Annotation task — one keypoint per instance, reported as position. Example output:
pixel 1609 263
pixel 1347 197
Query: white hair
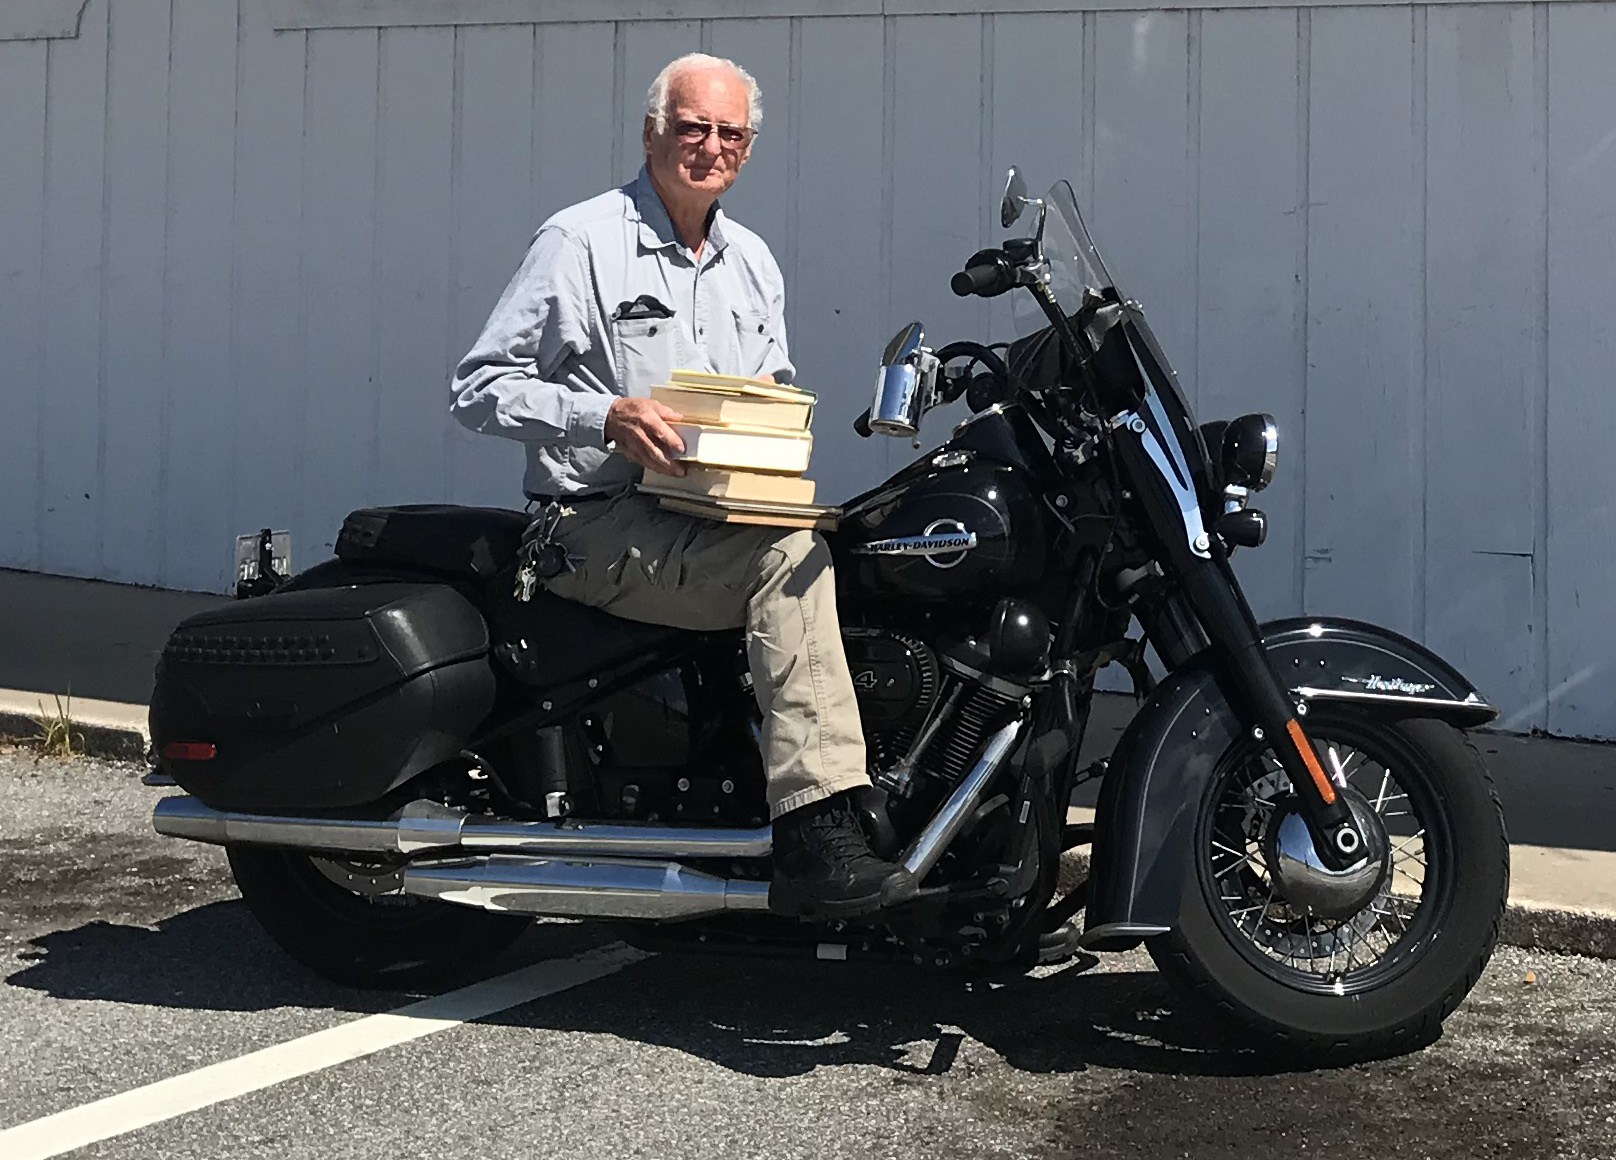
pixel 656 98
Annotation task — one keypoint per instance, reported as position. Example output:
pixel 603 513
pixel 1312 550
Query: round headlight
pixel 1250 451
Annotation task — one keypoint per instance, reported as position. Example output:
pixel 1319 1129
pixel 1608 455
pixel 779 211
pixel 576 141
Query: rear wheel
pixel 1382 976
pixel 351 922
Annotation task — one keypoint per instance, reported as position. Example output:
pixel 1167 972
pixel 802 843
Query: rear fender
pixel 1149 800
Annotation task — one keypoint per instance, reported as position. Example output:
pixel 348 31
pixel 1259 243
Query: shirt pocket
pixel 647 349
pixel 757 346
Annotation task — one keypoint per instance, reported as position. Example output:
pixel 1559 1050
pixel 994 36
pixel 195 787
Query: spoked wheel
pixel 1357 963
pixel 351 922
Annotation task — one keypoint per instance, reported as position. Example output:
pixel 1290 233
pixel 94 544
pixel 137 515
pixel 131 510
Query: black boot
pixel 823 866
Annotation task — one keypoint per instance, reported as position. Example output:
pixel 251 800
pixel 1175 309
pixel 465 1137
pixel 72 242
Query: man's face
pixel 682 159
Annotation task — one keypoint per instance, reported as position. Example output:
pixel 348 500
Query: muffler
pixel 424 827
pixel 599 888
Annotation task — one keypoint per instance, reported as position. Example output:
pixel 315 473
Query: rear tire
pixel 1395 1003
pixel 379 941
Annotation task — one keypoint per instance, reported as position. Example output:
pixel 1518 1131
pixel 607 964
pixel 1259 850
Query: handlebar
pixel 987 274
pixel 861 425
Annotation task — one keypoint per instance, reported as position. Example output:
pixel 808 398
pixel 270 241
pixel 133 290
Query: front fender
pixel 1151 795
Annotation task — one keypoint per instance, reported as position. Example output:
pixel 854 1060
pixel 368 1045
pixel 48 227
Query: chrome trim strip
pixel 1472 702
pixel 928 847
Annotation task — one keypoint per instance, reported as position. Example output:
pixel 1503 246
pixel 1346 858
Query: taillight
pixel 190 750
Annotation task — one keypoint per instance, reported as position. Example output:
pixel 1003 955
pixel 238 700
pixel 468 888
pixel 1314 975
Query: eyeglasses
pixel 730 136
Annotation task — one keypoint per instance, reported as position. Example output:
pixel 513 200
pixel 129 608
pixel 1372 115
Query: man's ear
pixel 645 133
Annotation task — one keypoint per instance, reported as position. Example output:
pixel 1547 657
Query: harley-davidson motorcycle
pixel 406 760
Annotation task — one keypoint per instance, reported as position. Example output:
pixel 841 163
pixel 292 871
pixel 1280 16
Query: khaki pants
pixel 638 561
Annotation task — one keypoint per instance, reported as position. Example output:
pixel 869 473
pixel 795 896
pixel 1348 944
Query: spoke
pixel 1243 911
pixel 1398 849
pixel 1380 798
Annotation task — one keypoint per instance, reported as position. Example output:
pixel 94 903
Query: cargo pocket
pixel 647 349
pixel 756 345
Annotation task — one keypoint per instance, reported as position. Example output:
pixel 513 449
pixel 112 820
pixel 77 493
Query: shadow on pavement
pixel 765 1017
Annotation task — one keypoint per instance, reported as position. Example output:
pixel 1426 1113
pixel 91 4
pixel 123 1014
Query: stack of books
pixel 747 443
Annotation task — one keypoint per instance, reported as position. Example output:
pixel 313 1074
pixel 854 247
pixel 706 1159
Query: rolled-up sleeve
pixel 523 379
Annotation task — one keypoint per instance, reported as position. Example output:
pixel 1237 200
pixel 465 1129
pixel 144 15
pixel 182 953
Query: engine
pixel 909 698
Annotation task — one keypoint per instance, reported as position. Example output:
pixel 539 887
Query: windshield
pixel 1075 265
pixel 1076 269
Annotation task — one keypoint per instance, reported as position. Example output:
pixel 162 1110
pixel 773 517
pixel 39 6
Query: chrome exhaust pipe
pixel 423 827
pixel 600 888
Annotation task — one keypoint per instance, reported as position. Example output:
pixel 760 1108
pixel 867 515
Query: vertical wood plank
pixel 339 192
pixel 198 534
pixel 132 366
pixel 761 195
pixel 1581 352
pixel 1038 91
pixel 840 321
pixel 493 224
pixel 1484 389
pixel 68 449
pixel 1143 219
pixel 1365 409
pixel 413 212
pixel 267 306
pixel 1250 322
pixel 573 115
pixel 645 46
pixel 23 380
pixel 936 188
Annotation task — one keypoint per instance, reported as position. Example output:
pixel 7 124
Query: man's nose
pixel 711 145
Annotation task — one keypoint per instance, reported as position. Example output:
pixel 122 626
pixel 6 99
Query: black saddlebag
pixel 322 698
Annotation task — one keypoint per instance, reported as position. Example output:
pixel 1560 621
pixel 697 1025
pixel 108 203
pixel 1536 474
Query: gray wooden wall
pixel 236 264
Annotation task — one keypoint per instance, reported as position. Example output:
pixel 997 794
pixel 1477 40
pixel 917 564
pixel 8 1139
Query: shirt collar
pixel 656 228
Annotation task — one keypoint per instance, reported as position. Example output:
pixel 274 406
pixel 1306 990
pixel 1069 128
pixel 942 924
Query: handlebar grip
pixel 976 280
pixel 862 424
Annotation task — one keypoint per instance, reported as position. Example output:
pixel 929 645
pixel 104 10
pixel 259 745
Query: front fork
pixel 1212 598
pixel 1212 590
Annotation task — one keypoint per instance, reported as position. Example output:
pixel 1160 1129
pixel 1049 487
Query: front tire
pixel 364 934
pixel 1397 968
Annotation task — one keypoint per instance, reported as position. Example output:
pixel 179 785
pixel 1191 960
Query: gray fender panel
pixel 1145 819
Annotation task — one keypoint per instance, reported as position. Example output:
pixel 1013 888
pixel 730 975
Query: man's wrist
pixel 588 421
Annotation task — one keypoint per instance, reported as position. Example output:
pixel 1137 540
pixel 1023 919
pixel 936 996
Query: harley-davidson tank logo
pixel 943 544
pixel 1376 683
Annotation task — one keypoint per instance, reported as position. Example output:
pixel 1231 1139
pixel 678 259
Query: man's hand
pixel 640 429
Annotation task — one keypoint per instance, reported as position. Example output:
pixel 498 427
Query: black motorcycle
pixel 406 760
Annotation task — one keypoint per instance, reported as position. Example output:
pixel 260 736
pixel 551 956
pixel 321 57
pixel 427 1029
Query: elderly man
pixel 614 293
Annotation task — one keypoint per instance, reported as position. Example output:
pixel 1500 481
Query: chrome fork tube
pixel 923 853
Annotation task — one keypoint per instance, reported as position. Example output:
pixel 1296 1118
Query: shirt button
pixel 701 330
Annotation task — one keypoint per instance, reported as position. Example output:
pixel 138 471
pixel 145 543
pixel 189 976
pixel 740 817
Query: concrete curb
pixel 100 728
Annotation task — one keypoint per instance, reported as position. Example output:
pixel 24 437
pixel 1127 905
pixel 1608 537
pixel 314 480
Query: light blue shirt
pixel 556 350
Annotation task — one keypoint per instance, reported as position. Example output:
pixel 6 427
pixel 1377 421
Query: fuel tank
pixel 958 525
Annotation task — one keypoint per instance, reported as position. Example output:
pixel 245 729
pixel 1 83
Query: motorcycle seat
pixel 550 641
pixel 545 642
pixel 471 543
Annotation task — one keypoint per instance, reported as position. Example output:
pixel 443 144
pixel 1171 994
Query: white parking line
pixel 74 1128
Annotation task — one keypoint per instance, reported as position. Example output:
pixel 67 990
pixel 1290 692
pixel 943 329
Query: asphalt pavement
pixel 125 961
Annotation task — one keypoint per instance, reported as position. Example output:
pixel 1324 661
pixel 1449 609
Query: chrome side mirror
pixel 905 385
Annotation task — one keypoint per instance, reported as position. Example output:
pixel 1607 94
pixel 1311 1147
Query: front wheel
pixel 352 923
pixel 1379 976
